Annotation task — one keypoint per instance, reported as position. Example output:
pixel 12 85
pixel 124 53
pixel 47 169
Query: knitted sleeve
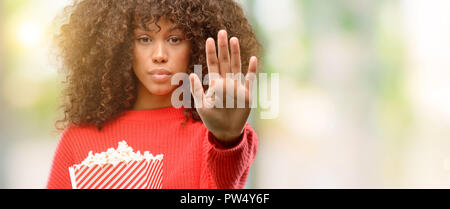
pixel 59 177
pixel 227 168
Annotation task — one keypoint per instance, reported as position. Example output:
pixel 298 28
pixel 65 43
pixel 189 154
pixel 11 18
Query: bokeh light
pixel 29 34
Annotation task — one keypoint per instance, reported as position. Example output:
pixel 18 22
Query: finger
pixel 251 73
pixel 250 80
pixel 224 55
pixel 235 55
pixel 196 90
pixel 211 56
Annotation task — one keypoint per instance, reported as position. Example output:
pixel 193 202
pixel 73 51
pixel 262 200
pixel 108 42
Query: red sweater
pixel 192 157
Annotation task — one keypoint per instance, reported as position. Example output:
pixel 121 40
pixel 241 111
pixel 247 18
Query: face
pixel 158 55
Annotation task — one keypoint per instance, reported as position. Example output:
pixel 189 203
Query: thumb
pixel 196 89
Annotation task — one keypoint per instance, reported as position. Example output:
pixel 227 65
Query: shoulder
pixel 74 133
pixel 73 129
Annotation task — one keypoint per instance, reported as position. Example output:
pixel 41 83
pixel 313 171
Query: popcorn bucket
pixel 145 173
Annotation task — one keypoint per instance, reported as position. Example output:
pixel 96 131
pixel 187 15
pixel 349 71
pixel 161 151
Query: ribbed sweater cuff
pixel 228 166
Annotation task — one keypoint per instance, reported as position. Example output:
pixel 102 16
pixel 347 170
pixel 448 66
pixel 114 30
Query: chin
pixel 161 91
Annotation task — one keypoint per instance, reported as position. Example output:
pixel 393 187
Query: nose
pixel 159 54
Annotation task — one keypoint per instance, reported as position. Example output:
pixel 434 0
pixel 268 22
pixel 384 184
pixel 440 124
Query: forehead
pixel 163 25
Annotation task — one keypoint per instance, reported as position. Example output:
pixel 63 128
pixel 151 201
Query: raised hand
pixel 225 108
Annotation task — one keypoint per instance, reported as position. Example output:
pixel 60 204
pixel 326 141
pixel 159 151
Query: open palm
pixel 226 106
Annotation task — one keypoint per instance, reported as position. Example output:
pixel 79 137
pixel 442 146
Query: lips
pixel 160 72
pixel 160 75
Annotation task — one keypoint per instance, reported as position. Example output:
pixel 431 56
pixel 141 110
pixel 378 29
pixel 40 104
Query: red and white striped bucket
pixel 144 174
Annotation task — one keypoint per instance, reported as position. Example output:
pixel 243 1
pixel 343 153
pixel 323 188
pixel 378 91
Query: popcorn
pixel 120 168
pixel 124 153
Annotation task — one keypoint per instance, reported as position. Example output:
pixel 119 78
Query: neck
pixel 147 101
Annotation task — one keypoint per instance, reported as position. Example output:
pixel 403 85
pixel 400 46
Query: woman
pixel 120 57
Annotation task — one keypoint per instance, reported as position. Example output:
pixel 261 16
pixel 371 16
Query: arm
pixel 226 106
pixel 228 167
pixel 59 174
pixel 230 143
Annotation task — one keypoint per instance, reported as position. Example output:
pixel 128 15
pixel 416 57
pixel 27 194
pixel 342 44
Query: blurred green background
pixel 364 93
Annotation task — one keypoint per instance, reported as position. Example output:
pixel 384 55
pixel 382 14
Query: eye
pixel 174 40
pixel 144 40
